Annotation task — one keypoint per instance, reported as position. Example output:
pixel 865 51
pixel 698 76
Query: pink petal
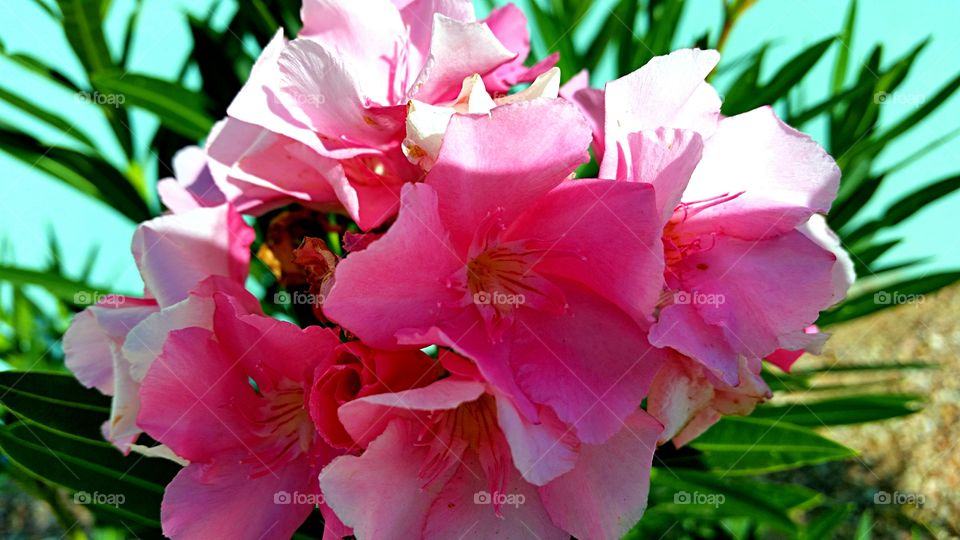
pixel 604 235
pixel 368 44
pixel 605 495
pixel 192 185
pixel 447 65
pixel 784 175
pixel 669 91
pixel 353 486
pixel 270 350
pixel 682 328
pixel 593 378
pixel 503 162
pixel 229 501
pixel 318 83
pixel 367 417
pixel 541 451
pixel 664 158
pixel 97 333
pixel 460 508
pixel 259 170
pixel 194 398
pixel 176 252
pixel 370 300
pixel 680 391
pixel 590 101
pixel 771 290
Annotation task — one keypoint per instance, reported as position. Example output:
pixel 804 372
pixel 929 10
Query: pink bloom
pixel 321 119
pixel 496 256
pixel 253 450
pixel 355 371
pixel 743 278
pixel 182 259
pixel 687 399
pixel 459 458
pixel 192 185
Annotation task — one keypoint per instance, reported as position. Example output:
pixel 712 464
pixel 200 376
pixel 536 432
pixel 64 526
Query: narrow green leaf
pixel 846 207
pixel 68 290
pixel 909 291
pixel 865 526
pixel 58 402
pixel 826 524
pixel 686 493
pixel 842 410
pixel 123 485
pixel 88 174
pixel 51 119
pixel 184 111
pixel 843 53
pixel 39 68
pixel 864 257
pixel 744 446
pixel 786 78
pixel 83 24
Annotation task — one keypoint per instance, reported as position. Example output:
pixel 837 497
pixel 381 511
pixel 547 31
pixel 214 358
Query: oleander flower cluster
pixel 490 346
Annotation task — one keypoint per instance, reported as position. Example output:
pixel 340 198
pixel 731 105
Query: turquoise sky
pixel 33 204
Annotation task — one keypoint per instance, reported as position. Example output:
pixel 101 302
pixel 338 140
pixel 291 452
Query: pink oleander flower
pixel 183 258
pixel 744 275
pixel 321 120
pixel 687 398
pixel 233 402
pixel 547 284
pixel 459 458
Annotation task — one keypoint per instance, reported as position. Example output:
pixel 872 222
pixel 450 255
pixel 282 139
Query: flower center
pixel 500 280
pixel 284 426
pixel 470 427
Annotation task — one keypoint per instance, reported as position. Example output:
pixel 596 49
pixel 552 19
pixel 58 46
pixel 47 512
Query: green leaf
pixel 826 524
pixel 51 119
pixel 904 208
pixel 842 410
pixel 83 24
pixel 90 175
pixel 743 446
pixel 56 401
pixel 786 78
pixel 843 54
pixel 864 526
pixel 874 145
pixel 183 111
pixel 68 290
pixel 130 487
pixel 39 68
pixel 907 291
pixel 685 493
pixel 866 256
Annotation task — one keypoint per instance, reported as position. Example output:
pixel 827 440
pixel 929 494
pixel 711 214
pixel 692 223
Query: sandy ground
pixel 915 460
